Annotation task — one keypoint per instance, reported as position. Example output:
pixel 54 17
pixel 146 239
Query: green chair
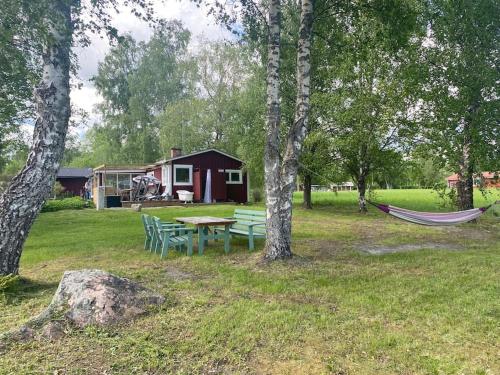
pixel 152 241
pixel 157 236
pixel 149 231
pixel 175 235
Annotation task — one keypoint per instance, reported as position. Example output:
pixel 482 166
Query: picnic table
pixel 203 224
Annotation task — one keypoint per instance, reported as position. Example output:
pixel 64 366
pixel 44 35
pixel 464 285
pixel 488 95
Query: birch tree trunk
pixel 276 245
pixel 24 197
pixel 307 204
pixel 361 184
pixel 465 183
pixel 280 180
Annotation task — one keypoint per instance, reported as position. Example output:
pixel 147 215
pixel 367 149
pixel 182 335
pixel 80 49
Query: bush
pixel 75 203
pixel 58 190
pixel 256 195
pixel 7 281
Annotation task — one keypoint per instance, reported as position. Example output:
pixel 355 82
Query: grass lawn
pixel 332 309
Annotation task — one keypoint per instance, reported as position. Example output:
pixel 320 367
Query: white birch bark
pixel 272 161
pixel 300 126
pixel 280 179
pixel 361 185
pixel 24 197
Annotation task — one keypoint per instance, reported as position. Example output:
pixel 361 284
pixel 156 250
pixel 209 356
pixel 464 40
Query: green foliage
pixel 317 159
pixel 58 189
pixel 256 195
pixel 422 171
pixel 137 81
pixel 73 203
pixel 365 67
pixel 461 87
pixel 447 196
pixel 20 69
pixel 7 282
pixel 208 118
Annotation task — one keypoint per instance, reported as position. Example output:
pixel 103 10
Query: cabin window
pixel 111 180
pixel 233 176
pixel 183 174
pixel 124 181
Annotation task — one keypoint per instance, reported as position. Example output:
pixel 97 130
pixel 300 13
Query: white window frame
pixel 183 166
pixel 240 173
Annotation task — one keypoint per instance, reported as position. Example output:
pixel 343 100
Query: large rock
pixel 86 297
pixel 96 297
pixel 136 207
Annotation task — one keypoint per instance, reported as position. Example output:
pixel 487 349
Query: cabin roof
pixel 120 168
pixel 74 172
pixel 197 153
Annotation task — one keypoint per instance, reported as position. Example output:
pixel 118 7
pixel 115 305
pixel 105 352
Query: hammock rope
pixel 432 218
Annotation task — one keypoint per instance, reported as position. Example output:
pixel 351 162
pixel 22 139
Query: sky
pixel 195 19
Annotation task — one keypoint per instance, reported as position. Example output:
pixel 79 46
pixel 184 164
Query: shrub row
pixel 74 203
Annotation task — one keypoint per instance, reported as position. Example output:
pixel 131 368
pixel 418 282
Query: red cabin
pixel 229 183
pixel 486 179
pixel 73 180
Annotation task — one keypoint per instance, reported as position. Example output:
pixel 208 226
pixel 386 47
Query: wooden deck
pixel 175 202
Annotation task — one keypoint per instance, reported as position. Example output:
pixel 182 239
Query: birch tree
pixel 365 79
pixel 462 91
pixel 264 25
pixel 60 24
pixel 280 174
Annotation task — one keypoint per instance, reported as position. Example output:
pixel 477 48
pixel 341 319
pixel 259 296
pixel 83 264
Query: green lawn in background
pixel 415 199
pixel 332 309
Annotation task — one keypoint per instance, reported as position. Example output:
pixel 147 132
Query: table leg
pixel 206 231
pixel 227 238
pixel 201 240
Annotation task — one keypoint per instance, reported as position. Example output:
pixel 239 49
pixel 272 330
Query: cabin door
pixel 219 188
pixel 198 185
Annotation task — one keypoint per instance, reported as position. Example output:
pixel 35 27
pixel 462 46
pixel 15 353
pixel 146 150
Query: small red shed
pixel 229 182
pixel 73 180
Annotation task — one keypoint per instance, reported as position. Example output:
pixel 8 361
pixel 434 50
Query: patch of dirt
pixel 315 249
pixel 177 274
pixel 477 232
pixel 381 249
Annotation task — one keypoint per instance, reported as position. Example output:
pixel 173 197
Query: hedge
pixel 74 203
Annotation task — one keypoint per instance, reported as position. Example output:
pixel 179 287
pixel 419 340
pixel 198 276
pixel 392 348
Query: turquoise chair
pixel 152 240
pixel 149 231
pixel 172 235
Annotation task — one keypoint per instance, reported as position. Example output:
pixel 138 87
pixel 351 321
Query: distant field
pixel 416 199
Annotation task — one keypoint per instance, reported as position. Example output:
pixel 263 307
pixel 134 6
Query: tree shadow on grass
pixel 23 288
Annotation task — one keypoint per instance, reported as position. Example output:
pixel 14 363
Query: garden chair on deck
pixel 175 235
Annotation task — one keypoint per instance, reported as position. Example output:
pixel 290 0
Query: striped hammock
pixel 432 218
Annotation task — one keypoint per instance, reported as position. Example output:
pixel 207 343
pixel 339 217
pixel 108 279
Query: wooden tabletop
pixel 205 220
